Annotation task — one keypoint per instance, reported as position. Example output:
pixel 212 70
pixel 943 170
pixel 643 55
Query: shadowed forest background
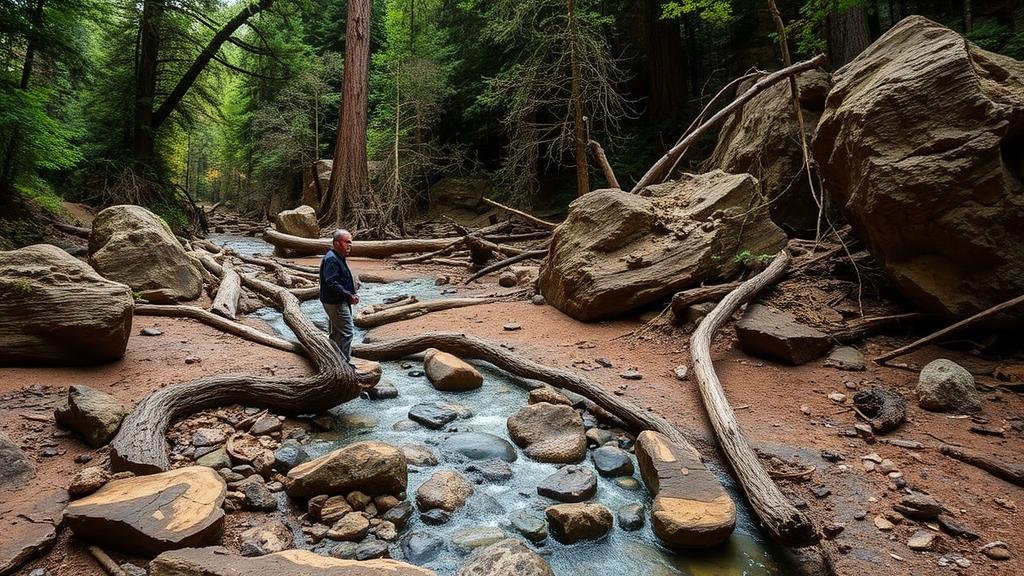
pixel 169 103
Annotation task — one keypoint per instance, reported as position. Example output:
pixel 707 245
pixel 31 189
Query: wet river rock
pixel 449 373
pixel 530 525
pixel 691 509
pixel 150 514
pixel 217 561
pixel 569 484
pixel 549 433
pixel 421 547
pixel 571 523
pixel 433 415
pixel 480 446
pixel 507 557
pixel 447 490
pixel 371 467
pixel 612 461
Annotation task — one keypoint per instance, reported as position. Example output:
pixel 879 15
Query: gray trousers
pixel 342 328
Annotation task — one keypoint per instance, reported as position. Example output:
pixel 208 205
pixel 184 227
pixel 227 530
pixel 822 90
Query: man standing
pixel 338 291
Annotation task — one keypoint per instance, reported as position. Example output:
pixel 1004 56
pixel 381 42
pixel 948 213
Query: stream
pixel 748 552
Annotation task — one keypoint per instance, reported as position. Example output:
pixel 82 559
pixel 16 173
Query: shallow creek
pixel 620 553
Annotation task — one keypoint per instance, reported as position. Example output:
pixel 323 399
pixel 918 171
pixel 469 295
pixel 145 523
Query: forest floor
pixel 768 399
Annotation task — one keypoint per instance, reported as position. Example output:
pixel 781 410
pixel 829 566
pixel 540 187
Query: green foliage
pixel 717 12
pixel 41 193
pixel 996 37
pixel 743 257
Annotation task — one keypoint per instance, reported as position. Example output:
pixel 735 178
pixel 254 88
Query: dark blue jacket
pixel 336 285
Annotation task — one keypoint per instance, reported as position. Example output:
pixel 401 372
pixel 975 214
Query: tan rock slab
pixel 447 372
pixel 446 489
pixel 217 561
pixel 151 514
pixel 371 467
pixel 571 523
pixel 549 433
pixel 691 508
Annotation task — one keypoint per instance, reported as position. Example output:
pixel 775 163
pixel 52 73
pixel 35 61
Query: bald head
pixel 341 241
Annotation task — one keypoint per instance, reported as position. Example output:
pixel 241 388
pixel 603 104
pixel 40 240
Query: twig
pixel 523 215
pixel 950 329
pixel 602 161
pixel 106 562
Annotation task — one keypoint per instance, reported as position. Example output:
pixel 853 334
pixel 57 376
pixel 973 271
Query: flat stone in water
pixel 434 415
pixel 435 517
pixel 530 525
pixel 345 550
pixel 473 538
pixel 571 483
pixel 493 470
pixel 384 390
pixel 627 483
pixel 612 461
pixel 416 373
pixel 480 446
pixel 404 425
pixel 288 456
pixel 421 547
pixel 372 549
pixel 398 514
pixel 631 517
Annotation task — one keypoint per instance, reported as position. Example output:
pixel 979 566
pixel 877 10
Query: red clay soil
pixel 767 398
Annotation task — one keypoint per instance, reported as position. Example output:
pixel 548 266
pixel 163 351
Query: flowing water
pixel 620 553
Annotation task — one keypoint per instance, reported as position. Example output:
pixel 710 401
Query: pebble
pixel 192 360
pixel 538 300
pixel 882 524
pixel 996 550
pixel 630 375
pixel 923 540
pixel 83 458
pixel 435 517
pixel 416 373
pixel 821 491
pixel 681 372
pixel 603 362
pixel 372 549
pixel 837 397
pixel 512 327
pixel 886 466
pixel 148 331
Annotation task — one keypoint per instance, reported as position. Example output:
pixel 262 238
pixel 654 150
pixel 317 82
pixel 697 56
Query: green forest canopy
pixel 103 101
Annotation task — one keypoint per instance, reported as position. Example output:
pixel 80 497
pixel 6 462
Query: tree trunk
pixel 578 119
pixel 11 150
pixel 350 181
pixel 666 64
pixel 848 35
pixel 360 248
pixel 968 17
pixel 143 131
pixel 226 302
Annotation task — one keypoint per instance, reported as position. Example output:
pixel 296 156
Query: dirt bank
pixel 767 397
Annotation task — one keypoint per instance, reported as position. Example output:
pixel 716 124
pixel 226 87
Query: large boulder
pixel 617 251
pixel 508 557
pixel 449 373
pixel 549 433
pixel 370 467
pixel 131 245
pixel 217 561
pixel 921 144
pixel 92 414
pixel 58 310
pixel 691 509
pixel 944 385
pixel 151 514
pixel 763 140
pixel 459 193
pixel 298 222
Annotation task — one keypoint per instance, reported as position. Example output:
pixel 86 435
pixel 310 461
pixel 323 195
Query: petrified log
pixel 780 517
pixel 360 248
pixel 467 347
pixel 226 302
pixel 370 317
pixel 140 445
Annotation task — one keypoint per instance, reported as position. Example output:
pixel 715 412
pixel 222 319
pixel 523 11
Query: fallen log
pixel 360 248
pixel 304 294
pixel 220 323
pixel 1013 473
pixel 470 347
pixel 226 302
pixel 861 328
pixel 602 161
pixel 784 522
pixel 141 446
pixel 505 263
pixel 521 214
pixel 660 168
pixel 686 298
pixel 481 250
pixel 950 329
pixel 372 317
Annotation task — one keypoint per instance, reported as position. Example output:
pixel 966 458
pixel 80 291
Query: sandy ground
pixel 767 398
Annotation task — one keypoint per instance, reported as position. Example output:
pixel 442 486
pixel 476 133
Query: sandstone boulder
pixel 763 140
pixel 151 514
pixel 14 466
pixel 217 561
pixel 920 144
pixel 447 490
pixel 131 245
pixel 691 509
pixel 459 193
pixel 944 385
pixel 446 372
pixel 298 222
pixel 549 433
pixel 370 467
pixel 777 335
pixel 58 310
pixel 508 557
pixel 571 523
pixel 617 251
pixel 92 414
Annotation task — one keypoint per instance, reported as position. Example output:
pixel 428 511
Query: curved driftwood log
pixel 783 521
pixel 140 444
pixel 371 317
pixel 360 248
pixel 466 347
pixel 221 323
pixel 226 302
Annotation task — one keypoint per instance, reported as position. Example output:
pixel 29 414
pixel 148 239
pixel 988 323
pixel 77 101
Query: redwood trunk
pixel 848 35
pixel 144 133
pixel 578 128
